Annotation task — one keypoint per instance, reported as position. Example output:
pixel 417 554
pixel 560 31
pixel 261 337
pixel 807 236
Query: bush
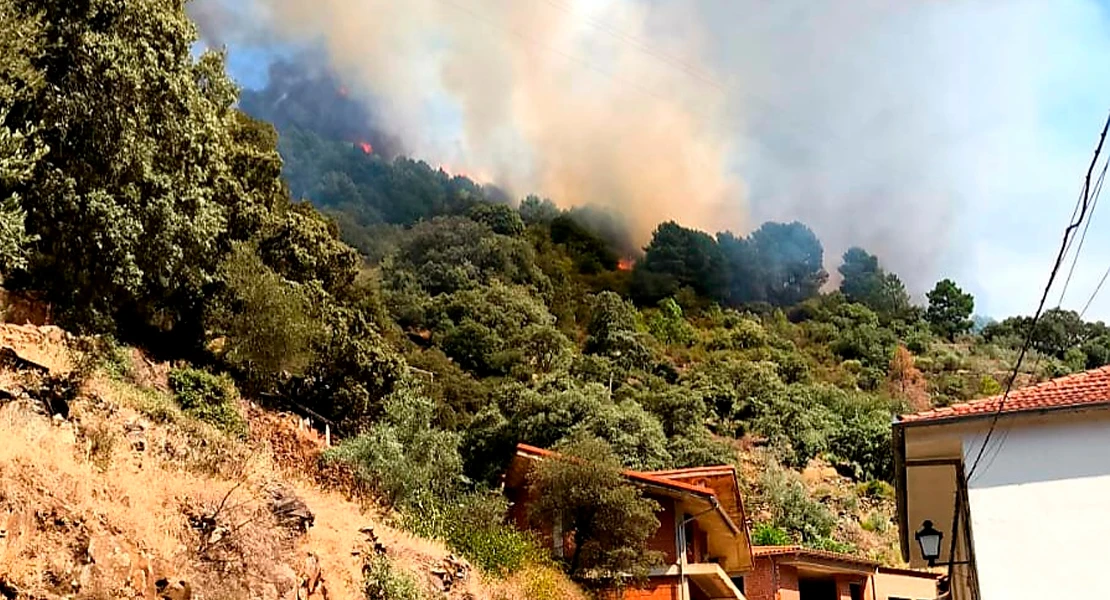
pixel 474 526
pixel 792 508
pixel 765 534
pixel 830 545
pixel 875 489
pixel 266 321
pixel 209 398
pixel 386 582
pixel 403 458
pixel 875 522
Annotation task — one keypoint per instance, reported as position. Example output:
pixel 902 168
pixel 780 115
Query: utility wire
pixel 1069 232
pixel 1083 238
pixel 1096 193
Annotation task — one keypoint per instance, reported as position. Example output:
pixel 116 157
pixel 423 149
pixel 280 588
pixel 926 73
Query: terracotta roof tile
pixel 811 554
pixel 1089 388
pixel 648 478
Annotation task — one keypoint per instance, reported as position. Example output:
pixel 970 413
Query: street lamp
pixel 929 540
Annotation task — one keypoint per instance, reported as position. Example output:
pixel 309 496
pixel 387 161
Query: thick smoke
pixel 897 126
pixel 527 94
pixel 302 92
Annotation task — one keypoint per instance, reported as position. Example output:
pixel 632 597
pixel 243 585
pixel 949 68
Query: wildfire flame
pixel 625 264
pixel 366 147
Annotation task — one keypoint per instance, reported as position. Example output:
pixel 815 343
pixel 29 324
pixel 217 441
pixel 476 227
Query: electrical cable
pixel 1086 226
pixel 1069 233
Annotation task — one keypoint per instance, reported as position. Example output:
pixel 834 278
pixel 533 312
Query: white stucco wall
pixel 1040 509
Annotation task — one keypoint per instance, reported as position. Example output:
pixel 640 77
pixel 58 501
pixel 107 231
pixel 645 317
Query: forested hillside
pixel 435 322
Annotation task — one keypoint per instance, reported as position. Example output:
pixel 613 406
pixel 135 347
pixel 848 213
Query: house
pixel 703 536
pixel 797 573
pixel 1012 498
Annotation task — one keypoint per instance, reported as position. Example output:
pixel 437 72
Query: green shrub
pixel 403 458
pixel 765 534
pixel 110 356
pixel 830 545
pixel 792 508
pixel 989 386
pixel 474 526
pixel 386 582
pixel 209 398
pixel 879 490
pixel 876 522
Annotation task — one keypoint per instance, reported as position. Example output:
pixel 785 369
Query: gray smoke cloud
pixel 532 95
pixel 885 124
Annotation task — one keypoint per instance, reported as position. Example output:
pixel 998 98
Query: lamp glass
pixel 929 540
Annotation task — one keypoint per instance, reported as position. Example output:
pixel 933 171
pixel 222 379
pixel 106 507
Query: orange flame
pixel 625 264
pixel 366 147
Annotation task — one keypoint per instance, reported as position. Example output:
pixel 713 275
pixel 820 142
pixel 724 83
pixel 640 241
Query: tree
pixel 949 309
pixel 790 262
pixel 865 282
pixel 538 211
pixel 128 205
pixel 668 325
pixel 607 518
pixel 858 271
pixel 501 218
pixel 906 381
pixel 402 457
pixel 686 258
pixel 614 331
pixel 267 321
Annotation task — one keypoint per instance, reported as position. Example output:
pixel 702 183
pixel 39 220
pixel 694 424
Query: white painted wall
pixel 1040 509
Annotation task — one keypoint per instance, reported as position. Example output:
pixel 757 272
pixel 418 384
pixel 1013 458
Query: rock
pixel 8 589
pixel 173 590
pixel 109 557
pixel 451 570
pixel 290 510
pixel 311 580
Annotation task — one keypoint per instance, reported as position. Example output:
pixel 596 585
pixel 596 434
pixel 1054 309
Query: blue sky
pixel 948 137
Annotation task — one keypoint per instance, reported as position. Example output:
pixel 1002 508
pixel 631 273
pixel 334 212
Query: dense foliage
pixel 430 321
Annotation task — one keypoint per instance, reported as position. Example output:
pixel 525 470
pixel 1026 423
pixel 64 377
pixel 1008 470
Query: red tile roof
pixel 648 478
pixel 811 554
pixel 1090 388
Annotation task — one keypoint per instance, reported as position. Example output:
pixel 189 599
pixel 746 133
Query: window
pixel 855 590
pixel 739 583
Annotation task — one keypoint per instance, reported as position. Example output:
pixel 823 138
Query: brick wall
pixel 767 578
pixel 788 583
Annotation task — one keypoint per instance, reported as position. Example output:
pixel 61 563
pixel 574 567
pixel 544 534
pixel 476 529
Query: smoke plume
pixel 531 95
pixel 896 126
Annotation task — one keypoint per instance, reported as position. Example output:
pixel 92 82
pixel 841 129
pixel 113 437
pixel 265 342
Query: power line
pixel 1102 281
pixel 1069 232
pixel 1097 193
pixel 1083 238
pixel 1095 293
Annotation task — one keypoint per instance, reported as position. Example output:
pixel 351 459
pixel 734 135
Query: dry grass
pixel 130 491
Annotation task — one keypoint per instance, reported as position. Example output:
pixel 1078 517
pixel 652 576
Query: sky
pixel 950 137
